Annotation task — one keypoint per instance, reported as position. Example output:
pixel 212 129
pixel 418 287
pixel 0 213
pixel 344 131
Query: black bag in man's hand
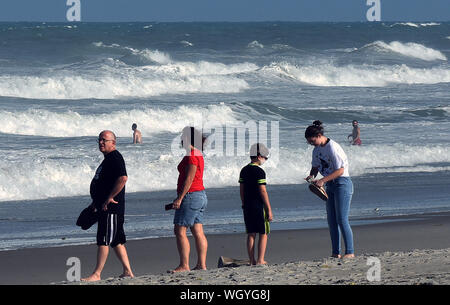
pixel 87 218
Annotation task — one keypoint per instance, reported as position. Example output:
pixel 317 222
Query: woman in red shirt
pixel 191 200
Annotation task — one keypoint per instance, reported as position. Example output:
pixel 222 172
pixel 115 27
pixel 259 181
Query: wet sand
pixel 309 248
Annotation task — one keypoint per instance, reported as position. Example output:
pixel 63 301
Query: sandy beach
pixel 418 252
pixel 418 267
pixel 404 264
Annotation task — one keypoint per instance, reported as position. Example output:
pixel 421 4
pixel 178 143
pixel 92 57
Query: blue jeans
pixel 340 191
pixel 191 209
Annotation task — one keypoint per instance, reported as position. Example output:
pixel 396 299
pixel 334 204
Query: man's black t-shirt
pixel 112 167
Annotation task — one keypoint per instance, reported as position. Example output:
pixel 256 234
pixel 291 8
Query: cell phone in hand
pixel 168 206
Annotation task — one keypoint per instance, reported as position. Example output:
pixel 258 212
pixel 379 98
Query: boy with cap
pixel 255 202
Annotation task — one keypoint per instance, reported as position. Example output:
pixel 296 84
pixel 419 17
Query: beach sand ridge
pixel 418 267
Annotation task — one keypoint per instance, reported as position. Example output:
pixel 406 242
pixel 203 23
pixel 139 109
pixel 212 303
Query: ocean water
pixel 61 84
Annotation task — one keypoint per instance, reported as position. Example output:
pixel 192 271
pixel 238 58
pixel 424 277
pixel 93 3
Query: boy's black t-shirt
pixel 112 167
pixel 252 176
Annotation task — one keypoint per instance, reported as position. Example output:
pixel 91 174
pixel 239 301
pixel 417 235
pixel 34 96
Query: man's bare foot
pixel 179 269
pixel 261 263
pixel 93 278
pixel 349 255
pixel 126 274
pixel 336 256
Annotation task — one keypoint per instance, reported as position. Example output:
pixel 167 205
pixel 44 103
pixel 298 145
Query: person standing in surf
pixel 108 197
pixel 137 135
pixel 355 135
pixel 331 161
pixel 191 201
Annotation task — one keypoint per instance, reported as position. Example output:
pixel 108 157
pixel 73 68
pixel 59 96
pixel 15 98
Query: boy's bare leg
pixel 262 249
pixel 251 247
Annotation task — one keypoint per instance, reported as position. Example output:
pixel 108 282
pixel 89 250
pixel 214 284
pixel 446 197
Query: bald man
pixel 108 197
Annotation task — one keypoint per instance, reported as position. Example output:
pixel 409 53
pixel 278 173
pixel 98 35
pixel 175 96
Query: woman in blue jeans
pixel 331 161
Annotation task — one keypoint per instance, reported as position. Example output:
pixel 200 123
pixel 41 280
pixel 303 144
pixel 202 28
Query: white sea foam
pixel 398 158
pixel 132 82
pixel 115 79
pixel 44 179
pixel 430 24
pixel 416 25
pixel 201 68
pixel 80 87
pixel 410 49
pixel 47 176
pixel 328 74
pixel 187 43
pixel 152 55
pixel 279 46
pixel 72 124
pixel 255 44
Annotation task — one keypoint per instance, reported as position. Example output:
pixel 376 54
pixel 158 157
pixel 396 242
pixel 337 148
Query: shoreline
pixel 318 225
pixel 157 255
pixel 378 199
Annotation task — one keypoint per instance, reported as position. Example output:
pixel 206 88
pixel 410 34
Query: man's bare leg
pixel 102 255
pixel 121 253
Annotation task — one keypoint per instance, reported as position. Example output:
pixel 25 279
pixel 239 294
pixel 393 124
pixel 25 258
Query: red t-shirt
pixel 195 158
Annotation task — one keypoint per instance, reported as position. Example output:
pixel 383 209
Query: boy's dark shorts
pixel 255 220
pixel 110 230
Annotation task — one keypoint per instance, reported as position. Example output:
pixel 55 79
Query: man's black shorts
pixel 110 230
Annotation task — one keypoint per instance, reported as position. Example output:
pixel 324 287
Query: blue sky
pixel 224 10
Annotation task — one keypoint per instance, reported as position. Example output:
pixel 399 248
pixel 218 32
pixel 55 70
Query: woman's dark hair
pixel 195 136
pixel 314 130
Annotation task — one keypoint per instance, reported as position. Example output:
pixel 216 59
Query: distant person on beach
pixel 331 161
pixel 255 202
pixel 137 135
pixel 108 197
pixel 355 135
pixel 191 201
